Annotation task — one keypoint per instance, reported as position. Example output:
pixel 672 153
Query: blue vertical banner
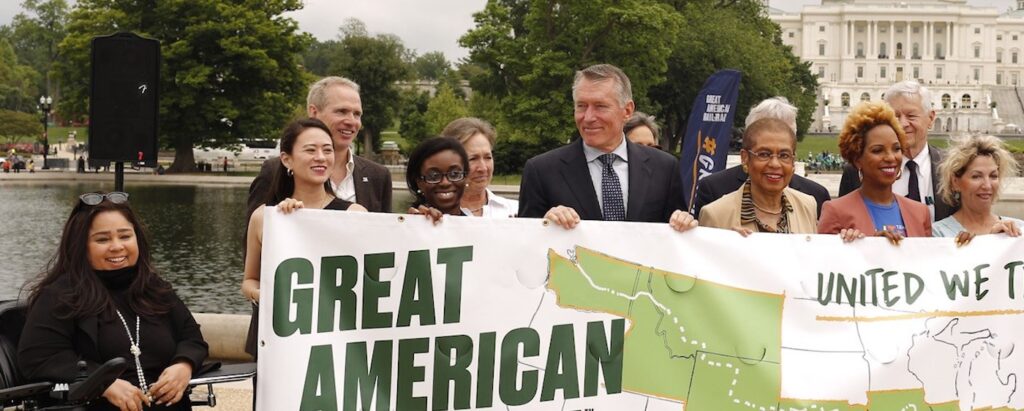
pixel 708 130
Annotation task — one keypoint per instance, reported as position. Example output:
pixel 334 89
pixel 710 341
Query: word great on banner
pixel 408 316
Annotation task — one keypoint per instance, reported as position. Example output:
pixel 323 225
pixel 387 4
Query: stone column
pixel 926 52
pixel 891 49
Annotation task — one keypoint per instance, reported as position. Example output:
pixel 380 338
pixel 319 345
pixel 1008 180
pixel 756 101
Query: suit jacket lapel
pixel 577 176
pixel 363 192
pixel 639 179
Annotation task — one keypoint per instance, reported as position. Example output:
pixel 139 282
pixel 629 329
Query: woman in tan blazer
pixel 872 141
pixel 765 203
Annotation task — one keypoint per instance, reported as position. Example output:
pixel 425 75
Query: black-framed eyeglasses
pixel 765 156
pixel 434 176
pixel 116 197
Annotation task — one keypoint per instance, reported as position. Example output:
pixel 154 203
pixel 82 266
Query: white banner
pixel 388 312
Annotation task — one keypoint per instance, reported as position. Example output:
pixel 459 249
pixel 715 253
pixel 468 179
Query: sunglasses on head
pixel 116 197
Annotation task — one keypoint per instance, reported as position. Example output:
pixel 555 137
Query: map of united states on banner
pixel 389 312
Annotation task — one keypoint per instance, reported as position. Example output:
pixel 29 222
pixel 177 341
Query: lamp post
pixel 45 104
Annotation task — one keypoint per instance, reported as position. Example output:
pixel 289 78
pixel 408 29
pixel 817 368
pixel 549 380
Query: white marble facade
pixel 968 56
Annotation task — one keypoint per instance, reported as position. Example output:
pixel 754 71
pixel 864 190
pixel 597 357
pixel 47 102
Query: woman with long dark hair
pixel 302 181
pixel 101 298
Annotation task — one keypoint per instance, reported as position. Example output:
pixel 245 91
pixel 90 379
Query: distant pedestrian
pixel 7 165
pixel 81 164
pixel 225 164
pixel 31 165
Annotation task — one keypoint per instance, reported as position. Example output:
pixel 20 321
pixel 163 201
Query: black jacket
pixel 562 177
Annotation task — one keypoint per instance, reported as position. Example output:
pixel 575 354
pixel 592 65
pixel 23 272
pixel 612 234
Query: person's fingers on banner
pixel 682 221
pixel 430 213
pixel 963 238
pixel 563 216
pixel 1007 227
pixel 743 231
pixel 288 205
pixel 894 237
pixel 850 234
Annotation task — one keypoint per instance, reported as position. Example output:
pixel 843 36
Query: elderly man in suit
pixel 716 185
pixel 335 101
pixel 602 175
pixel 912 103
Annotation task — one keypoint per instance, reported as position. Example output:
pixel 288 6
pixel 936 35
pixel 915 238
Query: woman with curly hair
pixel 872 141
pixel 969 178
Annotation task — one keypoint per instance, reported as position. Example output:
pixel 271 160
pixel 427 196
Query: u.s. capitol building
pixel 972 58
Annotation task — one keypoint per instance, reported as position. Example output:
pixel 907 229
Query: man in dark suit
pixel 602 175
pixel 919 179
pixel 716 185
pixel 335 101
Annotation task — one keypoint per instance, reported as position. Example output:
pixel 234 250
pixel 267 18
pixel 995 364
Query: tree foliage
pixel 414 126
pixel 443 108
pixel 431 66
pixel 529 50
pixel 737 36
pixel 230 71
pixel 35 34
pixel 15 125
pixel 17 81
pixel 523 54
pixel 376 63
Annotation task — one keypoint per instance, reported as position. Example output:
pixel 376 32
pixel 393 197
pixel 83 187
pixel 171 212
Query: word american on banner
pixel 386 312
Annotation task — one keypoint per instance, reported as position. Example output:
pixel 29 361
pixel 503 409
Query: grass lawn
pixel 60 134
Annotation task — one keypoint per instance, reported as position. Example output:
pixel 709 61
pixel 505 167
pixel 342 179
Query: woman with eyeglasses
pixel 101 298
pixel 765 203
pixel 302 181
pixel 436 175
pixel 872 140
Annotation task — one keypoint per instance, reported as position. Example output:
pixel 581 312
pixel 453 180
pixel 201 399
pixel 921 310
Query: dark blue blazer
pixel 561 177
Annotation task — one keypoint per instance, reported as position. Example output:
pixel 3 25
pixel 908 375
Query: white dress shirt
pixel 621 167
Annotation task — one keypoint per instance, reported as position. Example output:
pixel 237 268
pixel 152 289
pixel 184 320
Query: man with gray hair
pixel 336 102
pixel 602 175
pixel 918 181
pixel 716 185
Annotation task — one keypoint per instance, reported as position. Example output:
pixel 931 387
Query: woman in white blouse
pixel 477 137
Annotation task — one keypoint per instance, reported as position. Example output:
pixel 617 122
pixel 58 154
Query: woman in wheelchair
pixel 102 298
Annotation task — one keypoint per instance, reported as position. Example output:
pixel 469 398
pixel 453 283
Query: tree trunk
pixel 367 143
pixel 184 160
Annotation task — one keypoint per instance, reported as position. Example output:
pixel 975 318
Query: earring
pixel 290 172
pixel 860 175
pixel 956 196
pixel 744 166
pixel 899 174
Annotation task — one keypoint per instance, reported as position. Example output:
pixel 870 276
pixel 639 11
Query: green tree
pixel 431 66
pixel 35 35
pixel 16 126
pixel 17 81
pixel 414 126
pixel 231 69
pixel 733 35
pixel 443 108
pixel 376 63
pixel 529 50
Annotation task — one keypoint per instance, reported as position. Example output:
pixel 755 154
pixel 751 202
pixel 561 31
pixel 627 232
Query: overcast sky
pixel 423 25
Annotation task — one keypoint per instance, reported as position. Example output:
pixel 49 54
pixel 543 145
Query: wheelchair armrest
pixel 225 373
pixel 97 382
pixel 23 392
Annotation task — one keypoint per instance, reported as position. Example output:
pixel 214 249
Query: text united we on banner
pixel 705 145
pixel 385 312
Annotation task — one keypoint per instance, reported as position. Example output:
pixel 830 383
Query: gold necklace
pixel 769 212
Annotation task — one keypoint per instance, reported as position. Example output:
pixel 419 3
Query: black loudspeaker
pixel 124 99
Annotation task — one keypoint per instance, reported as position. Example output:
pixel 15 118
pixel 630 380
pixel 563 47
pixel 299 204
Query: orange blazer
pixel 849 211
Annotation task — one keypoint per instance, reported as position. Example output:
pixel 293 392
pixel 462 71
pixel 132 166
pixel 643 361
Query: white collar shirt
pixel 924 179
pixel 346 189
pixel 621 167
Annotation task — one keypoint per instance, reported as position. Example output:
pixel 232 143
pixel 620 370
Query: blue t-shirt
pixel 886 217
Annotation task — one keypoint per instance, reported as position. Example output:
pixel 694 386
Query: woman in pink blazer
pixel 872 140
